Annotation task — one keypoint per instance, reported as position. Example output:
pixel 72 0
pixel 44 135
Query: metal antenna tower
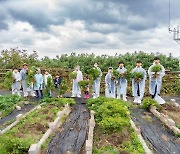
pixel 175 30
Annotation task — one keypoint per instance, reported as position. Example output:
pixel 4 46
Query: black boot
pixel 37 94
pixel 41 92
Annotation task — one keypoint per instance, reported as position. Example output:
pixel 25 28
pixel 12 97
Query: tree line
pixel 15 57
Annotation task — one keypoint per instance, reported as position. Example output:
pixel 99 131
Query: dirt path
pixel 73 135
pixel 158 136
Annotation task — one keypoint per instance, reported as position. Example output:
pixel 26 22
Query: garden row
pixel 34 127
pixel 113 130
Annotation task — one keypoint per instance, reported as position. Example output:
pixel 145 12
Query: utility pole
pixel 175 31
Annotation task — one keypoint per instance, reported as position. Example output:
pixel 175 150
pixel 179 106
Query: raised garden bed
pixel 30 129
pixel 8 104
pixel 72 135
pixel 172 111
pixel 113 131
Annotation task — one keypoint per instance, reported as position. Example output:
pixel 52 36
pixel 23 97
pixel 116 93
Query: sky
pixel 54 27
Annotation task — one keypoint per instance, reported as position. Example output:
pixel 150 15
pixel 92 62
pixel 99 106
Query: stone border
pixel 89 141
pixel 138 132
pixel 53 126
pixel 165 119
pixel 173 101
pixel 18 118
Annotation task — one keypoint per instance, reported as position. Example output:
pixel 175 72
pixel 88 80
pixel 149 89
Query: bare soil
pixel 172 111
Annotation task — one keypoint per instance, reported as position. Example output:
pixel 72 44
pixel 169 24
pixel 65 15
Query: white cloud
pixel 58 26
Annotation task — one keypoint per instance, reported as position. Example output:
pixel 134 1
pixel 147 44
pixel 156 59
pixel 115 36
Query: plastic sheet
pixel 74 131
pixel 156 134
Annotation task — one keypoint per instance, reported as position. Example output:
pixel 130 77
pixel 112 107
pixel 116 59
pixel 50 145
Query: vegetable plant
pixel 137 75
pixel 73 75
pixel 49 86
pixel 30 76
pixel 83 84
pixel 93 73
pixel 148 102
pixel 156 68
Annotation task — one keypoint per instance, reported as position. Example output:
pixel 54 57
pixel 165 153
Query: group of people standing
pixel 35 89
pixel 117 87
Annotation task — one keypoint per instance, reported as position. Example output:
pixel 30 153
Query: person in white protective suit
pixel 26 88
pixel 76 90
pixel 122 82
pixel 155 81
pixel 16 85
pixel 96 82
pixel 46 76
pixel 138 85
pixel 38 85
pixel 110 83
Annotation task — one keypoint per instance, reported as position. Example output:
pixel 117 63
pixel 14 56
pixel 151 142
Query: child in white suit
pixel 76 91
pixel 16 85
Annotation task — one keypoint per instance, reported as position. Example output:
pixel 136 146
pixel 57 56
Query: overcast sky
pixel 53 27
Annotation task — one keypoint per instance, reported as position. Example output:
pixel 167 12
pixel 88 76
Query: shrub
pixel 148 102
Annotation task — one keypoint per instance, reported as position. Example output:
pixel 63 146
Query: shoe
pixel 135 100
pixel 139 101
pixel 87 96
pixel 124 98
pixel 72 96
pixel 79 96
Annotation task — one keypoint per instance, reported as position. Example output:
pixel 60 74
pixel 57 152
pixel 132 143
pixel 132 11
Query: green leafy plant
pixel 30 76
pixel 116 74
pixel 113 124
pixel 148 102
pixel 73 75
pixel 113 120
pixel 30 129
pixel 156 68
pixel 83 84
pixel 93 73
pixel 63 87
pixel 58 101
pixel 49 86
pixel 8 79
pixel 8 103
pixel 137 75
